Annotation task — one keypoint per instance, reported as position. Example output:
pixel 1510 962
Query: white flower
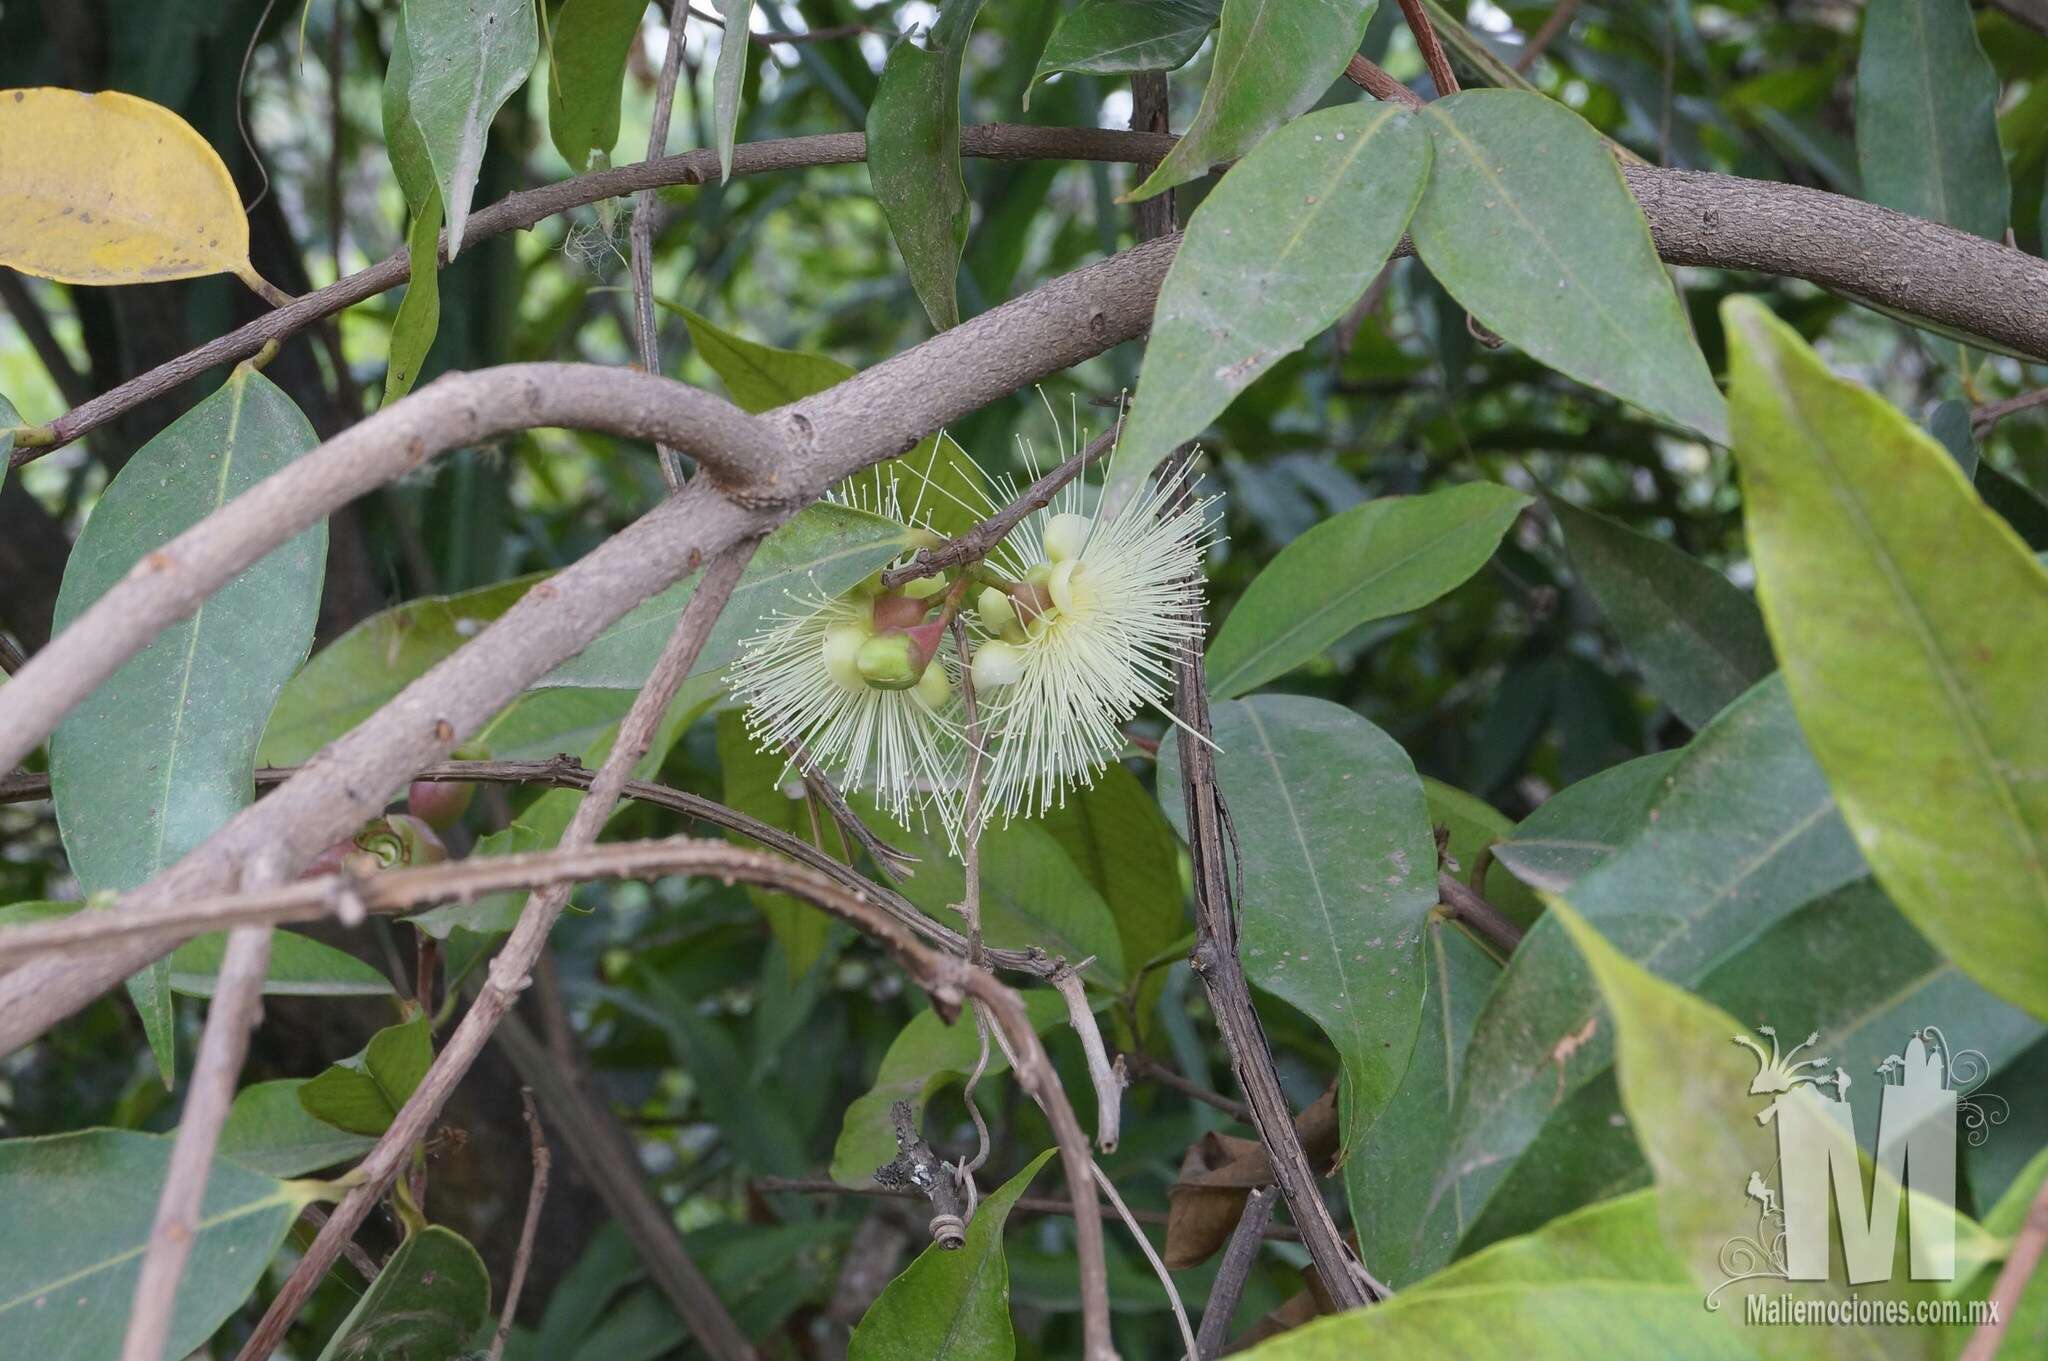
pixel 1085 630
pixel 861 684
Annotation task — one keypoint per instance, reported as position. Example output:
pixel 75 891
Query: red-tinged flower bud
pixel 898 612
pixel 440 803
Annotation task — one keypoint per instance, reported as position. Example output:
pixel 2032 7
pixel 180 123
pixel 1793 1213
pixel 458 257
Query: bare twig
pixel 535 1197
pixel 1215 959
pixel 1925 270
pixel 892 861
pixel 1038 1205
pixel 594 1137
pixel 1108 1079
pixel 918 1167
pixel 1180 1312
pixel 237 1006
pixel 2020 1265
pixel 365 1265
pixel 509 970
pixel 978 542
pixel 645 332
pixel 1376 82
pixel 1149 1069
pixel 1991 413
pixel 1238 1255
pixel 1152 217
pixel 1478 915
pixel 1432 50
pixel 1559 20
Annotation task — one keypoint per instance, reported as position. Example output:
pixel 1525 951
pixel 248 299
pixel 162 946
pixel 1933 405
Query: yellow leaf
pixel 110 189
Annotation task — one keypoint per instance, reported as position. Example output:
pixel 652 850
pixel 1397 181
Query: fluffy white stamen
pixel 801 683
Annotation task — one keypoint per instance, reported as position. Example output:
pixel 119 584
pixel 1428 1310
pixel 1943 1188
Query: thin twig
pixel 978 542
pixel 508 972
pixel 1432 50
pixel 535 1197
pixel 645 333
pixel 593 1135
pixel 1479 916
pixel 1107 1079
pixel 2020 1265
pixel 1180 1312
pixel 1560 19
pixel 1376 82
pixel 237 1006
pixel 351 1251
pixel 1238 1255
pixel 970 814
pixel 893 862
pixel 1149 1069
pixel 1990 414
pixel 1152 217
pixel 1037 1205
pixel 1345 1279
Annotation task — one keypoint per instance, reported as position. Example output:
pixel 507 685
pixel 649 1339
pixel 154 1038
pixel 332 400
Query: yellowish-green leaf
pixel 110 189
pixel 1913 628
pixel 419 311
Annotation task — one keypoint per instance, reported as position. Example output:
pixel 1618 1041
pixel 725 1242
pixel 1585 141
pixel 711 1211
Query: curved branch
pixel 1904 264
pixel 529 207
pixel 454 411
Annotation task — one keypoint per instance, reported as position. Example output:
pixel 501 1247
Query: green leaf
pixel 467 57
pixel 914 157
pixel 950 1306
pixel 1530 226
pixel 419 311
pixel 926 1055
pixel 1949 423
pixel 299 967
pixel 1274 58
pixel 1927 116
pixel 1114 833
pixel 826 550
pixel 164 753
pixel 269 1130
pixel 587 50
pixel 361 671
pixel 362 1093
pixel 1339 877
pixel 730 75
pixel 1900 605
pixel 1118 37
pixel 1381 558
pixel 1547 1321
pixel 1582 824
pixel 2016 503
pixel 1031 893
pixel 80 1206
pixel 404 143
pixel 1686 1089
pixel 430 1300
pixel 1282 248
pixel 1742 832
pixel 1698 637
pixel 751 787
pixel 1387 1194
pixel 760 377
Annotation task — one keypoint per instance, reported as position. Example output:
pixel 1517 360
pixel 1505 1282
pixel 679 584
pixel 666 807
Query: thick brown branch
pixel 461 409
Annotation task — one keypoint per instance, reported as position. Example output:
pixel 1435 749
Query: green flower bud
pixel 1066 587
pixel 888 661
pixel 841 649
pixel 934 688
pixel 998 615
pixel 924 588
pixel 997 664
pixel 1066 535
